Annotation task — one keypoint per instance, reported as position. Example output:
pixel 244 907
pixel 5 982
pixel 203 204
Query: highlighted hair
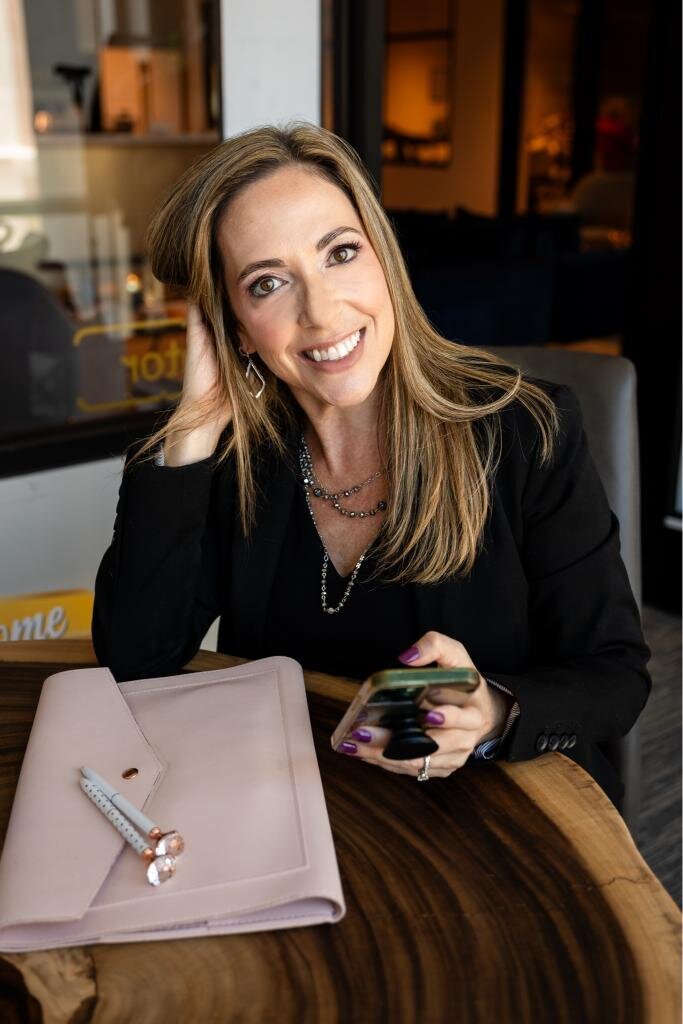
pixel 439 429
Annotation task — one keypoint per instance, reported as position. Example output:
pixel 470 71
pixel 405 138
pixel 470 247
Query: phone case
pixel 465 680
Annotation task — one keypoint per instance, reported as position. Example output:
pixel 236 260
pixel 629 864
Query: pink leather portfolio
pixel 225 757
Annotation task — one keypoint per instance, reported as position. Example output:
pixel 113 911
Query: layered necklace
pixel 313 486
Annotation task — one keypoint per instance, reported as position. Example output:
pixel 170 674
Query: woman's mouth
pixel 337 353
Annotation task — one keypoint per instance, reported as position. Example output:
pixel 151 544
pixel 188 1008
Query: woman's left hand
pixel 457 728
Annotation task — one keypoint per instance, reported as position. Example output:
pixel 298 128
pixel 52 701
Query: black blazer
pixel 547 610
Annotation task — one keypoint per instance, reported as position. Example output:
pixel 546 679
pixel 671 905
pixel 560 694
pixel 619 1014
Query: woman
pixel 342 485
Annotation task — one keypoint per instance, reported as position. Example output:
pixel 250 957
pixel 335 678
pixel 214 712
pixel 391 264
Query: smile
pixel 333 353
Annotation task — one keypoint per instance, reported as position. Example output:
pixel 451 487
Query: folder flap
pixel 59 848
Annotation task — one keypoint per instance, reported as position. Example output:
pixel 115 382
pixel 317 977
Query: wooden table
pixel 507 892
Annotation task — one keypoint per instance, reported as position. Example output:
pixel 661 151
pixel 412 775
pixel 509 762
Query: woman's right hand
pixel 200 381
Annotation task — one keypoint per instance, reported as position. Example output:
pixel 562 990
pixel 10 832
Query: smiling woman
pixel 325 295
pixel 339 483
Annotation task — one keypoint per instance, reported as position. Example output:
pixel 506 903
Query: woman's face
pixel 307 288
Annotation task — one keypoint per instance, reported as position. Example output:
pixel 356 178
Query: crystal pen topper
pixel 165 842
pixel 159 869
pixel 160 858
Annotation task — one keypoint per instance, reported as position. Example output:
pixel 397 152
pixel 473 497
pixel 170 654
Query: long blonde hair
pixel 439 429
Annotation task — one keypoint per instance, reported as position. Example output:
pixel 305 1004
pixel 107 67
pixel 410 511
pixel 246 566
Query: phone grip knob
pixel 408 738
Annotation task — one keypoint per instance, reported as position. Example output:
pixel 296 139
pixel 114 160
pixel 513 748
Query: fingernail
pixel 410 655
pixel 347 748
pixel 364 735
pixel 435 718
pixel 361 716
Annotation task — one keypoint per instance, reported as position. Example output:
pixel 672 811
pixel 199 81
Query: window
pixel 105 104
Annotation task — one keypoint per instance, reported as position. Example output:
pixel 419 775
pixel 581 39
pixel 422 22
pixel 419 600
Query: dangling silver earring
pixel 252 369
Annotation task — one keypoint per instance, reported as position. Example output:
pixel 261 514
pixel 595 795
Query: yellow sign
pixel 146 359
pixel 52 616
pixel 128 328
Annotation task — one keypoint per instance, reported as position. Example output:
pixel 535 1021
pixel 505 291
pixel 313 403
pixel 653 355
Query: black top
pixel 377 622
pixel 547 610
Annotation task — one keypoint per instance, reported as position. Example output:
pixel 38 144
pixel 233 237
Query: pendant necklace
pixel 310 482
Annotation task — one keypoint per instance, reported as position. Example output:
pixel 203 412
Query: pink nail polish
pixel 410 655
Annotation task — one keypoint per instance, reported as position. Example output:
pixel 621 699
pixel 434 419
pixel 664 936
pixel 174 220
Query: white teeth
pixel 335 352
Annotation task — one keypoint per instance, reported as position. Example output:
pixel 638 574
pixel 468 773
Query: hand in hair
pixel 200 418
pixel 457 728
pixel 201 369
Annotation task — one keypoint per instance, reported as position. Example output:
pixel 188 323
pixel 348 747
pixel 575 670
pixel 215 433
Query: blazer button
pixel 553 742
pixel 541 743
pixel 571 742
pixel 564 741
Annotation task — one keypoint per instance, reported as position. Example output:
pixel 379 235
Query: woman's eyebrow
pixel 274 262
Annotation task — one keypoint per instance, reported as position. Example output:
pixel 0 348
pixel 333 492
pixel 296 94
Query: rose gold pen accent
pixel 166 843
pixel 160 867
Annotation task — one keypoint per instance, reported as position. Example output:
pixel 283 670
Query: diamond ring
pixel 423 774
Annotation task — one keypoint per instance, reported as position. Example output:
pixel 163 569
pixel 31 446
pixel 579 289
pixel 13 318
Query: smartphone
pixel 392 699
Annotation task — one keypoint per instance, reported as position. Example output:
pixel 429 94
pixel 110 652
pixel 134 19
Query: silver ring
pixel 423 774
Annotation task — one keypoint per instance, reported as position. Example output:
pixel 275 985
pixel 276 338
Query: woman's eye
pixel 267 284
pixel 350 248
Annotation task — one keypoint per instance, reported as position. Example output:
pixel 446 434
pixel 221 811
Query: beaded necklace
pixel 312 484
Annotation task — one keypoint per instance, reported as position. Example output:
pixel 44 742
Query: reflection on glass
pixel 107 104
pixel 603 195
pixel 548 124
pixel 417 90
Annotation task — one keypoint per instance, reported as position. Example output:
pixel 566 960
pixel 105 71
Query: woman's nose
pixel 320 304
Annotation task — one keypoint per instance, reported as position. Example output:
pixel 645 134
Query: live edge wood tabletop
pixel 508 892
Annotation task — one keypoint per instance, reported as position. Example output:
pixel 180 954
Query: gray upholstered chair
pixel 606 389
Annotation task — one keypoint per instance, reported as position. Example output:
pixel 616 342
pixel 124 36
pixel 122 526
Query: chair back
pixel 606 389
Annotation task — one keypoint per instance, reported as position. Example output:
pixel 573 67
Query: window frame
pixel 76 444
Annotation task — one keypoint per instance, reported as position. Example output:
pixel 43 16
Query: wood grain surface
pixel 507 892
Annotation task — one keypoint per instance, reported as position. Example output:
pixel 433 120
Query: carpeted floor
pixel 659 827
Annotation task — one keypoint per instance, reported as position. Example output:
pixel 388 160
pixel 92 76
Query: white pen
pixel 159 869
pixel 164 842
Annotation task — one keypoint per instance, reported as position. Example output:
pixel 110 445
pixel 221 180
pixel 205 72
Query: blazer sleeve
pixel 158 588
pixel 588 678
